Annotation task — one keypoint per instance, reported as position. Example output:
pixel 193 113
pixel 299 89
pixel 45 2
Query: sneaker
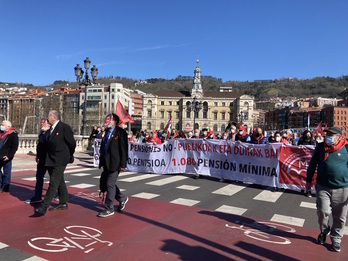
pixel 322 236
pixel 56 198
pixel 122 204
pixel 106 213
pixel 335 247
pixel 33 200
pixel 308 194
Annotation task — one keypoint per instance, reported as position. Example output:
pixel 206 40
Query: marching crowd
pixel 233 132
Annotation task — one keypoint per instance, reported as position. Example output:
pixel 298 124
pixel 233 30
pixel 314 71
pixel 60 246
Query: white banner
pixel 258 164
pixel 96 154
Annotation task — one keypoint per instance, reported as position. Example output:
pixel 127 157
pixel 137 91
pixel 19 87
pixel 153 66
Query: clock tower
pixel 197 90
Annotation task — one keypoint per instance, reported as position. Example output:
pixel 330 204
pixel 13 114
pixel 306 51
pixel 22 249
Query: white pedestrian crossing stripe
pixel 137 178
pixel 231 210
pixel 166 181
pixel 82 185
pixel 228 190
pixel 145 195
pixel 288 220
pixel 187 187
pixel 81 174
pixel 2 245
pixel 185 202
pixel 268 196
pixel 308 205
pixel 30 179
pixel 77 170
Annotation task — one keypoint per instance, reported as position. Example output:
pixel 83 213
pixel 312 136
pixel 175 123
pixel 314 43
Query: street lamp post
pixel 195 106
pixel 86 82
pixel 243 115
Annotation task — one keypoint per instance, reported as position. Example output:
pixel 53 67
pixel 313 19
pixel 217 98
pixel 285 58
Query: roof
pixel 227 95
pixel 172 93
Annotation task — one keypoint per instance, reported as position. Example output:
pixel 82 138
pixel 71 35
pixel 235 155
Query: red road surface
pixel 150 230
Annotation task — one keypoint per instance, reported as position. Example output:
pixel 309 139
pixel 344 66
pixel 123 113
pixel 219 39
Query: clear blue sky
pixel 42 41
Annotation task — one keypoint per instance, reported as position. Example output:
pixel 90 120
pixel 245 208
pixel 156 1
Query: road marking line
pixel 137 178
pixel 187 187
pixel 166 181
pixel 268 196
pixel 81 174
pixel 82 185
pixel 2 245
pixel 288 220
pixel 185 202
pixel 308 205
pixel 228 190
pixel 231 210
pixel 145 195
pixel 78 170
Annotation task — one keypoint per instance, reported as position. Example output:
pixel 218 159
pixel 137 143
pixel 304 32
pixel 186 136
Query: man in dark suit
pixel 113 159
pixel 60 150
pixel 41 151
pixel 8 148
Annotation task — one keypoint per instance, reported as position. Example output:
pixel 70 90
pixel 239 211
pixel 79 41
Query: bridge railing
pixel 28 142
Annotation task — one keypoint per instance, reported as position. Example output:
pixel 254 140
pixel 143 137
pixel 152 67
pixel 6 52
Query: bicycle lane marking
pixel 65 243
pixel 264 231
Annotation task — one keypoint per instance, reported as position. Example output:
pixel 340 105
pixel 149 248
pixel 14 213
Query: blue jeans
pixel 5 177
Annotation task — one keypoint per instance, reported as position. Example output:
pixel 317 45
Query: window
pixel 112 96
pixel 105 97
pixel 223 104
pixel 177 126
pixel 162 114
pixel 148 126
pixel 170 103
pixel 105 105
pixel 223 115
pixel 188 114
pixel 178 103
pixel 177 115
pixel 223 128
pixel 215 104
pixel 169 114
pixel 215 127
pixel 149 113
pixel 205 115
pixel 162 126
pixel 215 115
pixel 162 102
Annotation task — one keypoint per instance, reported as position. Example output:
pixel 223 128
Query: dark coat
pixel 117 151
pixel 41 147
pixel 60 146
pixel 10 146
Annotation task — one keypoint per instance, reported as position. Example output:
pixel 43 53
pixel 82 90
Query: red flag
pixel 123 114
pixel 168 127
pixel 319 129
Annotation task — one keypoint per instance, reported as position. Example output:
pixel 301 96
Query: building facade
pixel 215 109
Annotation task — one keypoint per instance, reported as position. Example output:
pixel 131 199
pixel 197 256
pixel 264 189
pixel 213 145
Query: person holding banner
pixel 330 158
pixel 113 160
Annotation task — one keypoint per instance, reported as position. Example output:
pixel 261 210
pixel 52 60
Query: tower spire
pixel 197 86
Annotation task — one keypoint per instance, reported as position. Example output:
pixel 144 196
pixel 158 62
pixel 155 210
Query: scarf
pixel 9 131
pixel 258 138
pixel 342 142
